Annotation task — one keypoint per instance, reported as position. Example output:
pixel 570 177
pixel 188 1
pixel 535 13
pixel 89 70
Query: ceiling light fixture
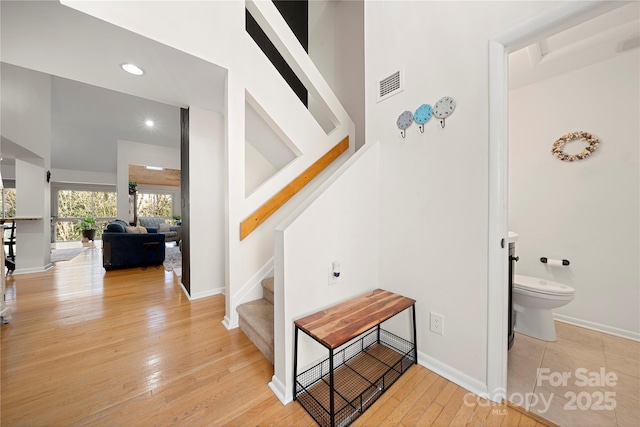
pixel 132 69
pixel 149 123
pixel 154 168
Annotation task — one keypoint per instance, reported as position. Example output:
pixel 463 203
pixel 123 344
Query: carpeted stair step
pixel 267 289
pixel 256 321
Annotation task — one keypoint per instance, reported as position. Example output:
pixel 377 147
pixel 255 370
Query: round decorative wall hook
pixel 443 108
pixel 422 115
pixel 404 121
pixel 557 148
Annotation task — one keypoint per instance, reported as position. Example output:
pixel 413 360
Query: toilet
pixel 533 300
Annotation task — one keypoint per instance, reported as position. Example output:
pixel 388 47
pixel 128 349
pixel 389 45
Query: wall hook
pixel 422 115
pixel 404 121
pixel 444 107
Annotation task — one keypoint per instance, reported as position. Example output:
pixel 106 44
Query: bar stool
pixel 10 241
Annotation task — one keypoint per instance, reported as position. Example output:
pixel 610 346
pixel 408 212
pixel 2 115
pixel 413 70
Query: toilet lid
pixel 536 284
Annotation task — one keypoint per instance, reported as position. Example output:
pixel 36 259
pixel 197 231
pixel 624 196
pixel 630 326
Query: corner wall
pixel 206 201
pixel 26 100
pixel 339 222
pixel 434 185
pixel 585 211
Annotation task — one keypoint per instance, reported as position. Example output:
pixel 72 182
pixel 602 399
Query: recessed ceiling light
pixel 132 69
pixel 149 123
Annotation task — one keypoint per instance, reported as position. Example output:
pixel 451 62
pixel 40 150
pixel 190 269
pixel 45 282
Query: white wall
pixel 26 109
pixel 434 185
pixel 257 168
pixel 32 236
pixel 585 211
pixel 338 223
pixel 206 201
pixel 26 132
pixel 336 46
pixel 82 177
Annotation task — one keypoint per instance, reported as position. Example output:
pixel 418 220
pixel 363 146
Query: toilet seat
pixel 541 286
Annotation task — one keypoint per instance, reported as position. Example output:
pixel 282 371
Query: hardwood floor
pixel 126 347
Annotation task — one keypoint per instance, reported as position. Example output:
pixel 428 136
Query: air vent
pixel 390 85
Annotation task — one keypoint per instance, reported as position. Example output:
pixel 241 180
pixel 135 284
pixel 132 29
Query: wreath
pixel 556 150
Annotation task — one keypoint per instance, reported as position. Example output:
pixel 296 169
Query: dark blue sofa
pixel 123 250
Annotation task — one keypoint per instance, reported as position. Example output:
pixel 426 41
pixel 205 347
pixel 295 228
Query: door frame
pixel 557 19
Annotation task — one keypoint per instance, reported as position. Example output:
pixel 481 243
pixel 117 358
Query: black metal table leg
pixel 415 342
pixel 331 389
pixel 295 363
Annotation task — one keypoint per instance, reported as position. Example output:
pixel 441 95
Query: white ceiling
pixel 86 119
pixel 599 39
pixel 87 53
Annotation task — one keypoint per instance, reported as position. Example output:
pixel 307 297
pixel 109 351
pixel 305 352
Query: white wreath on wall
pixel 557 147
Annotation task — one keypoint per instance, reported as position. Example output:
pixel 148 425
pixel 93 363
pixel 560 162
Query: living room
pixel 100 121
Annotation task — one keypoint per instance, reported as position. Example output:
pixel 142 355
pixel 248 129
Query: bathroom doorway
pixel 558 19
pixel 577 347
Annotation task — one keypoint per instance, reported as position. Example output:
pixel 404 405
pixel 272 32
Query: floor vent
pixel 390 85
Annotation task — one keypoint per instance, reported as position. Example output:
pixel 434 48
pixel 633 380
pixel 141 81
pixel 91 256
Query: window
pixel 72 205
pixel 8 206
pixel 155 204
pixel 8 202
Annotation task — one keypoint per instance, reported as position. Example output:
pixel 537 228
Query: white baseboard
pixel 463 380
pixel 623 333
pixel 42 269
pixel 278 389
pixel 207 293
pixel 229 324
pixel 185 290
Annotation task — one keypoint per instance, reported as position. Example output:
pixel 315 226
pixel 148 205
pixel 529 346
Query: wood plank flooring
pixel 127 348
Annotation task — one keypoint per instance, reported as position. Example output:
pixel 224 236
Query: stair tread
pixel 258 314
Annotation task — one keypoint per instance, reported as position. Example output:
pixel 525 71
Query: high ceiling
pixel 85 54
pixel 94 102
pixel 616 32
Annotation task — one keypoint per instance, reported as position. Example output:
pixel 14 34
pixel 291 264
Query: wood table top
pixel 336 325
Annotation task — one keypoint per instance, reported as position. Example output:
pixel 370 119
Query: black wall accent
pixel 184 190
pixel 296 14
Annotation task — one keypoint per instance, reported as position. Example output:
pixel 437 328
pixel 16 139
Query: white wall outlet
pixel 437 323
pixel 333 280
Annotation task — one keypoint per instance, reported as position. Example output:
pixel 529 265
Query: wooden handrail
pixel 273 204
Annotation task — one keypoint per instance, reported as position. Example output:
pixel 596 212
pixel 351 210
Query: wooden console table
pixel 364 360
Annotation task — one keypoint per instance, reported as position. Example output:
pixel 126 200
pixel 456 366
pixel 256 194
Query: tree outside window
pixel 154 204
pixel 74 205
pixel 8 202
pixel 8 206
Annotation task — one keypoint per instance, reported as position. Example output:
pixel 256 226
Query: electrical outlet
pixel 437 323
pixel 333 280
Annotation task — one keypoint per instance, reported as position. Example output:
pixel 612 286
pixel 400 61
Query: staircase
pixel 256 320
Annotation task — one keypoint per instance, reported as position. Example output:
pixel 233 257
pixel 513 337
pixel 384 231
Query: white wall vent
pixel 390 85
